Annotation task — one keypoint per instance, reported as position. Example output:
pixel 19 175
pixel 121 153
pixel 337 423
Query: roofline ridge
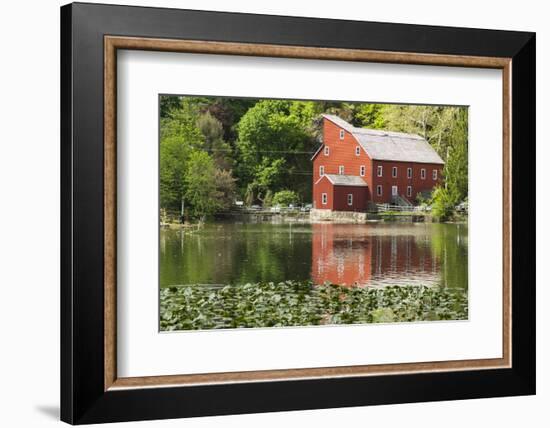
pixel 396 134
pixel 332 178
pixel 357 129
pixel 329 116
pixel 317 151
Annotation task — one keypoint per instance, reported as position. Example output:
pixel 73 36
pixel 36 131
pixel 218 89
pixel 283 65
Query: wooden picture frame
pixel 91 390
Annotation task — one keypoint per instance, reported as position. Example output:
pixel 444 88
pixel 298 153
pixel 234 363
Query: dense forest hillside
pixel 214 151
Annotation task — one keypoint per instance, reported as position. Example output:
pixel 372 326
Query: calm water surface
pixel 373 254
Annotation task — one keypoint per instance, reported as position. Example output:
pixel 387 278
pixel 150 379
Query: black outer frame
pixel 83 399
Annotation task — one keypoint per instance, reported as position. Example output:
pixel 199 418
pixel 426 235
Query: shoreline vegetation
pixel 193 225
pixel 302 303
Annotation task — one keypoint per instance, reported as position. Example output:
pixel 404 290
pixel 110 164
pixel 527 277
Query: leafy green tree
pixel 267 176
pixel 225 188
pixel 285 198
pixel 274 147
pixel 201 194
pixel 305 112
pixel 208 190
pixel 268 199
pixel 440 126
pixel 369 116
pixel 455 172
pixel 410 119
pixel 212 130
pixel 167 104
pixel 229 111
pixel 443 202
pixel 343 110
pixel 179 136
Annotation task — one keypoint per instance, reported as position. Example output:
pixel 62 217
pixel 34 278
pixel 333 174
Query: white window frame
pixel 423 173
pixel 350 199
pixel 394 171
pixel 341 170
pixel 324 198
pixel 379 190
pixel 409 191
pixel 342 134
pixel 327 150
pixel 362 170
pixel 357 151
pixel 434 174
pixel 409 173
pixel 321 170
pixel 379 171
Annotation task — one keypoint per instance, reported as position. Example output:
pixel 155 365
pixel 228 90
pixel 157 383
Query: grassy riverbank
pixel 302 304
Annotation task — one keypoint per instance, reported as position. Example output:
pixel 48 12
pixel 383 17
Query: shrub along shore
pixel 301 303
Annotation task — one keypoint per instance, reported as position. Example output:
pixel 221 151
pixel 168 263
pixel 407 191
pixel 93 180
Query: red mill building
pixel 355 166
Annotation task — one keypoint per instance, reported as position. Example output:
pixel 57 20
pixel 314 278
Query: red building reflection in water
pixel 347 255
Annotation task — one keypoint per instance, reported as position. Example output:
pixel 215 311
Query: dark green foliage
pixel 274 147
pixel 215 145
pixel 285 198
pixel 229 112
pixel 294 303
pixel 208 190
pixel 167 104
pixel 179 137
pixel 200 186
pixel 195 161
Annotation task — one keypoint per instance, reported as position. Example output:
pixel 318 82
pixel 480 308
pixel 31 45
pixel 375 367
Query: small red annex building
pixel 342 192
pixel 356 166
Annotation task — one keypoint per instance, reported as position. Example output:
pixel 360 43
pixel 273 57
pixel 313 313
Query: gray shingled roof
pixel 389 145
pixel 345 180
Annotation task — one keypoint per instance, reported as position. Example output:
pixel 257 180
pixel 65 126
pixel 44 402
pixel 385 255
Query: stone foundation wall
pixel 317 215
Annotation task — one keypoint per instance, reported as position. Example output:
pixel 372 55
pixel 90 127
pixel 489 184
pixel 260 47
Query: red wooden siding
pixel 337 196
pixel 343 153
pixel 323 186
pixel 401 181
pixel 340 198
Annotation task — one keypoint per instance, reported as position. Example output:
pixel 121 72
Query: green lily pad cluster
pixel 294 303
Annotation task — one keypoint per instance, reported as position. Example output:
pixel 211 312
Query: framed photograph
pixel 266 213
